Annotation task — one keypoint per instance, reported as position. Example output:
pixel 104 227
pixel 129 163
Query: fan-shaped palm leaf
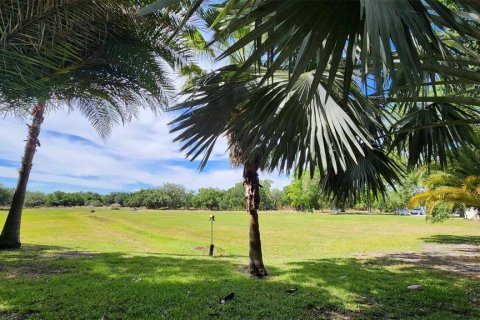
pixel 280 128
pixel 239 107
pixel 426 142
pixel 372 34
pixel 372 173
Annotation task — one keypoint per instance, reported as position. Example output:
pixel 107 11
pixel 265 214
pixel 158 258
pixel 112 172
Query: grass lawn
pixel 154 265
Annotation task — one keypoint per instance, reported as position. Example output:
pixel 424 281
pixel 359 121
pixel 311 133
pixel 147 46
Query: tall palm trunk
pixel 10 237
pixel 252 197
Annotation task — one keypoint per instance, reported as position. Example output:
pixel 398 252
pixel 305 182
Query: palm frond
pixel 465 192
pixel 373 173
pixel 283 129
pixel 331 34
pixel 472 184
pixel 441 178
pixel 426 143
pixel 98 57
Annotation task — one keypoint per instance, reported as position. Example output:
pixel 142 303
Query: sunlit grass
pixel 153 265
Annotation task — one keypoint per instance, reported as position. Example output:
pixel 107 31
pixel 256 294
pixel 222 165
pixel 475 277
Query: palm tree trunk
pixel 252 197
pixel 10 237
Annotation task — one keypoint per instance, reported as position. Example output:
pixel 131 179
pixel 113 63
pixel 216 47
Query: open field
pixel 153 265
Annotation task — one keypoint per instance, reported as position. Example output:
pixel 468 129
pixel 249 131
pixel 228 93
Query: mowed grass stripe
pixel 148 237
pixel 285 236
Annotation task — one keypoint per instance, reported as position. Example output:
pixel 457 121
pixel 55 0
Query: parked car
pixel 420 211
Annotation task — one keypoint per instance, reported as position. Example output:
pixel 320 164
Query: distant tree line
pixel 167 196
pixel 302 194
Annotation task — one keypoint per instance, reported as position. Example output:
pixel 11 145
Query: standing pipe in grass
pixel 212 219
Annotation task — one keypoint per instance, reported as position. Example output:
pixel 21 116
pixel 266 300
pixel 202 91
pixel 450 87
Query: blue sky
pixel 141 154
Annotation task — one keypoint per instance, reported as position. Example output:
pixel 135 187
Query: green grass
pixel 153 265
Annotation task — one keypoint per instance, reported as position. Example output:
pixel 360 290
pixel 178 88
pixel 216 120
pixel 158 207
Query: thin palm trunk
pixel 252 197
pixel 10 237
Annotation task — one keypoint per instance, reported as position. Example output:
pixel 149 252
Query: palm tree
pixel 337 85
pixel 98 57
pixel 447 189
pixel 458 185
pixel 252 186
pixel 251 181
pixel 258 120
pixel 412 65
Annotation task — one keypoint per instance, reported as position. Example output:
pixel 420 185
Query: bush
pixel 35 199
pixel 360 206
pixel 6 195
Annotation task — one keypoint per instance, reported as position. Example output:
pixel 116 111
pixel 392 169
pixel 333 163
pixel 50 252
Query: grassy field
pixel 154 265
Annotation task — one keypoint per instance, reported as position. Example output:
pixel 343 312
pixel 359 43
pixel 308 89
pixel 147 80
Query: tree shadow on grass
pixel 379 289
pixel 42 282
pixel 452 239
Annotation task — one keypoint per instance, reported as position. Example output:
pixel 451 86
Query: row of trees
pixel 167 196
pixel 441 190
pixel 302 194
pixel 173 196
pixel 55 199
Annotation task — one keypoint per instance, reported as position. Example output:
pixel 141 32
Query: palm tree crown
pixel 447 189
pixel 99 57
pixel 339 92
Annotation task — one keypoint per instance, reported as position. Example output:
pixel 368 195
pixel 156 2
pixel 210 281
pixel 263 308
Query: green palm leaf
pixel 281 128
pixel 370 34
pixel 465 192
pixel 427 142
pixel 373 173
pixel 103 60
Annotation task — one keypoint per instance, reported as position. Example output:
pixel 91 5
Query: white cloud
pixel 73 156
